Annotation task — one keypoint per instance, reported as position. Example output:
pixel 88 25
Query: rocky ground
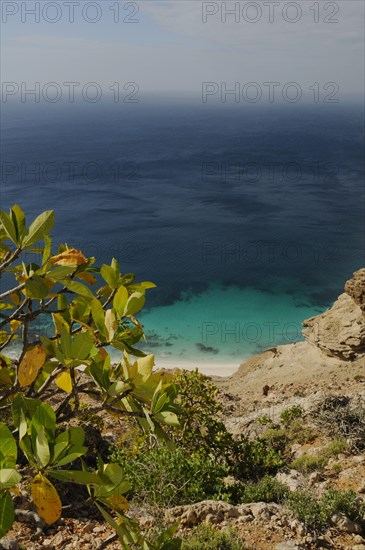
pixel 329 363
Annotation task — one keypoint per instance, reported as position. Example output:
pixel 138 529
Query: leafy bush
pixel 164 478
pixel 292 413
pixel 309 463
pixel 268 489
pixel 336 447
pixel 316 514
pixel 306 509
pixel 205 537
pixel 254 459
pixel 335 501
pixel 201 429
pixel 39 386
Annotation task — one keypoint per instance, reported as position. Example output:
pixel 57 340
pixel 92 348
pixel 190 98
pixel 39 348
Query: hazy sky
pixel 171 49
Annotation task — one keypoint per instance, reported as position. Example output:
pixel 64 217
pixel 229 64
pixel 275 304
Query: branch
pixel 10 259
pixel 8 292
pixel 15 313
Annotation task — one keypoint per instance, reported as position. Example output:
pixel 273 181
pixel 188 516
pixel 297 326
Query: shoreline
pixel 209 368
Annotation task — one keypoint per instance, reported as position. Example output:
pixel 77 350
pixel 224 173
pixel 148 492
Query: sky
pixel 173 46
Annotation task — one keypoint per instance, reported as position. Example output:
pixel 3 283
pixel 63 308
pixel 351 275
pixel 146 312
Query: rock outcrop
pixel 355 288
pixel 340 331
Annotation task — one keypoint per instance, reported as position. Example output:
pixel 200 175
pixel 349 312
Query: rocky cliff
pixel 340 331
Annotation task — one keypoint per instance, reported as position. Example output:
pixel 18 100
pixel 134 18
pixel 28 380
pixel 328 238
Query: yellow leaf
pixel 70 257
pixel 118 502
pixel 64 382
pixel 30 365
pixel 15 491
pixel 15 298
pixel 110 323
pixel 46 499
pixel 87 277
pixel 103 354
pixel 14 325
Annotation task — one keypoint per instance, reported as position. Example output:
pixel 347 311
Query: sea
pixel 248 218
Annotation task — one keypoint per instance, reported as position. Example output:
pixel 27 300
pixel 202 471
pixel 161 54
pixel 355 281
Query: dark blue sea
pixel 248 218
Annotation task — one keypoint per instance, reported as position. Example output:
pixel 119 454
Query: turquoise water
pixel 224 325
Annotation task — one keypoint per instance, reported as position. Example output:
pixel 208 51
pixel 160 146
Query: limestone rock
pixel 213 511
pixel 293 479
pixel 289 545
pixel 345 524
pixel 355 288
pixel 7 543
pixel 339 331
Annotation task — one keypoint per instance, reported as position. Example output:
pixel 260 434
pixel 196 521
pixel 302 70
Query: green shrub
pixel 336 447
pixel 316 514
pixel 163 478
pixel 205 537
pixel 292 413
pixel 335 501
pixel 267 489
pixel 254 459
pixel 201 429
pixel 306 509
pixel 276 438
pixel 299 433
pixel 308 463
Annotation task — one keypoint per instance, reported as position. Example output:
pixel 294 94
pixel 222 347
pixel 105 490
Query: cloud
pixel 189 52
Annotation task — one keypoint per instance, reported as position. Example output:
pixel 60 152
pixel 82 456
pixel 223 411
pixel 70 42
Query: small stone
pixel 58 540
pixel 289 545
pixel 314 477
pixel 98 529
pixel 210 518
pixel 47 542
pixel 345 524
pixel 88 528
pixel 245 519
pixel 7 543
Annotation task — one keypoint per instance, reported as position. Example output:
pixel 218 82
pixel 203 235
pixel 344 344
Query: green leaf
pixel 18 218
pixel 42 451
pixel 25 405
pixel 109 275
pixel 144 368
pixel 168 418
pixel 36 287
pixel 76 476
pixel 98 315
pixel 135 303
pixel 81 346
pixel 45 417
pixel 41 226
pixel 8 226
pixel 6 513
pixel 47 249
pixel 117 388
pixel 68 442
pixel 60 272
pixel 79 288
pixel 8 448
pixel 72 454
pixel 120 299
pixel 8 478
